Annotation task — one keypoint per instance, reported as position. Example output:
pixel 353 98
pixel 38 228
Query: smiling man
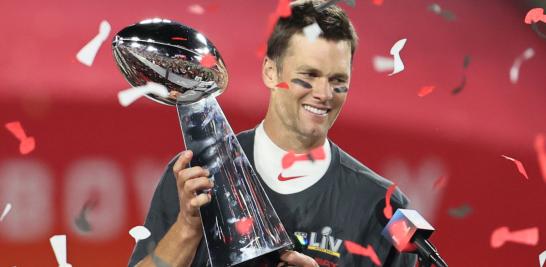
pixel 324 201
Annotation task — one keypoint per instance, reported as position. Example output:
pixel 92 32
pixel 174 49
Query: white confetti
pixel 58 243
pixel 87 54
pixel 395 51
pixel 196 9
pixel 542 258
pixel 383 64
pixel 514 70
pixel 139 233
pixel 312 32
pixel 126 97
pixel 5 212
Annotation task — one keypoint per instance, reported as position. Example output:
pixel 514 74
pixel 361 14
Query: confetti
pixel 535 15
pixel 514 70
pixel 357 249
pixel 196 9
pixel 440 183
pixel 290 158
pixel 27 144
pixel 425 90
pixel 128 96
pixel 466 63
pixel 460 212
pixel 383 64
pixel 5 212
pixel 377 2
pixel 501 235
pixel 437 9
pixel 387 211
pixel 81 222
pixel 58 243
pixel 395 51
pixel 208 61
pixel 518 163
pixel 282 85
pixel 542 258
pixel 244 226
pixel 139 233
pixel 87 54
pixel 312 32
pixel 540 148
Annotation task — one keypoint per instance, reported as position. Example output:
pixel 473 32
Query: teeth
pixel 315 110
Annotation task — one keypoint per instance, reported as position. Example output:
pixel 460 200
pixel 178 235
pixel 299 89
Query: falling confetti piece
pixel 58 243
pixel 542 258
pixel 466 63
pixel 535 15
pixel 437 9
pixel 395 51
pixel 383 64
pixel 26 144
pixel 282 85
pixel 460 212
pixel 501 235
pixel 377 2
pixel 387 211
pixel 440 183
pixel 208 61
pixel 514 70
pixel 196 9
pixel 244 226
pixel 290 158
pixel 425 90
pixel 357 249
pixel 540 148
pixel 81 222
pixel 128 96
pixel 5 212
pixel 139 233
pixel 518 163
pixel 312 32
pixel 87 54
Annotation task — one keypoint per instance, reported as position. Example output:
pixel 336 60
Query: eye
pixel 309 74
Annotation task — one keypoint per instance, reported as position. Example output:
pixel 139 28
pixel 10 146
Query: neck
pixel 290 140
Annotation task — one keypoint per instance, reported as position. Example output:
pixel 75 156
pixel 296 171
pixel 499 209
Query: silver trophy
pixel 239 224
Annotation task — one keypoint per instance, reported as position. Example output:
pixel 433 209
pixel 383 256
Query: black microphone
pixel 408 231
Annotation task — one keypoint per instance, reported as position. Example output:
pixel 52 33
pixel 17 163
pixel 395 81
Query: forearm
pixel 177 248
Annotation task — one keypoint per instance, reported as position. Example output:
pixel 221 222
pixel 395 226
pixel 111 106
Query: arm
pixel 178 245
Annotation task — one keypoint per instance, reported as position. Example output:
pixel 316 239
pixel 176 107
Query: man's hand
pixel 293 258
pixel 189 181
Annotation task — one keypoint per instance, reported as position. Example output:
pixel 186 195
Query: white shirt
pixel 296 178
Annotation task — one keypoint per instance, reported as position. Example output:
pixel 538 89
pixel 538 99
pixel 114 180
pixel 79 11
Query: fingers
pixel 298 259
pixel 200 200
pixel 197 184
pixel 182 161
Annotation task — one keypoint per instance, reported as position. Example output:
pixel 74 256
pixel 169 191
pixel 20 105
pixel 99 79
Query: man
pixel 324 202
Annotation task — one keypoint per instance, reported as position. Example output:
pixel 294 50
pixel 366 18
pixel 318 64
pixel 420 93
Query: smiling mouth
pixel 316 111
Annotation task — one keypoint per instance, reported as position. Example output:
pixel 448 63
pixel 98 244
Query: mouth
pixel 315 110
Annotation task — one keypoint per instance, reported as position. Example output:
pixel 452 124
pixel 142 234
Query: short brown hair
pixel 335 25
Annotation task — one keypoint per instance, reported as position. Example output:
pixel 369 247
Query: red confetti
pixel 282 85
pixel 518 163
pixel 357 249
pixel 290 158
pixel 27 143
pixel 527 236
pixel 387 211
pixel 377 2
pixel 179 39
pixel 244 226
pixel 425 90
pixel 440 183
pixel 208 61
pixel 540 148
pixel 535 15
pixel 283 9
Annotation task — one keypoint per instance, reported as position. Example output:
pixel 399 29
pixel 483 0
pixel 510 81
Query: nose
pixel 323 90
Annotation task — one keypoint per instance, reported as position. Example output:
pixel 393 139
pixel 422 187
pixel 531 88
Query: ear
pixel 269 73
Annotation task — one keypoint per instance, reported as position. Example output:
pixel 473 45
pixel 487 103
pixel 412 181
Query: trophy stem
pixel 240 222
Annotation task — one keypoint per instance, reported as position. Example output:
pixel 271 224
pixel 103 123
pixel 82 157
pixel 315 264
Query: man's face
pixel 318 76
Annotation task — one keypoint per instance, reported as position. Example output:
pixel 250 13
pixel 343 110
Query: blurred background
pixel 96 163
